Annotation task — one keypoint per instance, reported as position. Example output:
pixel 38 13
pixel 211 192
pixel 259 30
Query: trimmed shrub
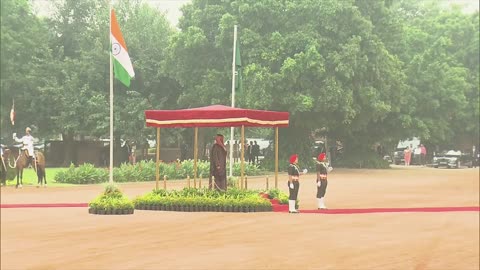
pixel 84 174
pixel 111 201
pixel 201 199
pixel 140 172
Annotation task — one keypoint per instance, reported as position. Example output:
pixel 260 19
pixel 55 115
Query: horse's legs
pixel 45 176
pixel 39 178
pixel 18 177
pixel 21 177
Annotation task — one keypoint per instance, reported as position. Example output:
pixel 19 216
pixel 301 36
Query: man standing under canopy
pixel 218 163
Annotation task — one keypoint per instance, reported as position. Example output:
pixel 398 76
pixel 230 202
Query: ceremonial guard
pixel 293 183
pixel 322 171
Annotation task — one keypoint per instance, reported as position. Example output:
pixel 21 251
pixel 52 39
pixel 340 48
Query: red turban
pixel 293 158
pixel 321 157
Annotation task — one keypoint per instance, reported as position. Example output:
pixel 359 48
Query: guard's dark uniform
pixel 295 173
pixel 322 180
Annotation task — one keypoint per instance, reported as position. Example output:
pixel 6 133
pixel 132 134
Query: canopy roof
pixel 215 116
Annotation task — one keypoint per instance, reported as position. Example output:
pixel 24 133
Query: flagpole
pixel 110 177
pixel 233 96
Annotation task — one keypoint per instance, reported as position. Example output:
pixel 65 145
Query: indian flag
pixel 122 65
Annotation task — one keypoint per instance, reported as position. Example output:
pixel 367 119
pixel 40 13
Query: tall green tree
pixel 69 93
pixel 320 60
pixel 441 62
pixel 23 52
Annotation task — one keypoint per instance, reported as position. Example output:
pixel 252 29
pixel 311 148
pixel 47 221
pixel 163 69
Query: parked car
pixel 388 158
pixel 452 159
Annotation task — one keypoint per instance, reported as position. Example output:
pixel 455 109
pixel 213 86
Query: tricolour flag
pixel 122 66
pixel 238 67
pixel 12 114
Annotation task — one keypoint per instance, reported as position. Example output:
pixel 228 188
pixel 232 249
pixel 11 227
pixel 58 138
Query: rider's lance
pixel 12 114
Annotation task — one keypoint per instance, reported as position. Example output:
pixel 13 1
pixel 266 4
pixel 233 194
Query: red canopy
pixel 215 116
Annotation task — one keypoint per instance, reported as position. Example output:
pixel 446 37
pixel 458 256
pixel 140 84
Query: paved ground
pixel 70 238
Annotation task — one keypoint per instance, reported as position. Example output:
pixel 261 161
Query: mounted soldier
pixel 27 147
pixel 27 156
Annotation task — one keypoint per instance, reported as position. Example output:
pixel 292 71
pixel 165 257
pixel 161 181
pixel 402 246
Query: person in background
pixel 423 155
pixel 250 152
pixel 235 152
pixel 407 154
pixel 227 147
pixel 417 154
pixel 256 152
pixel 145 147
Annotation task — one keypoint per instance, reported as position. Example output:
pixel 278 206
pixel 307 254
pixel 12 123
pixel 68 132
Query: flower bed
pixel 111 202
pixel 203 200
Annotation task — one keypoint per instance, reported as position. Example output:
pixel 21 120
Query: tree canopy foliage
pixel 361 72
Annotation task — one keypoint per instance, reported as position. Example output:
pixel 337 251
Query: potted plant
pixel 112 202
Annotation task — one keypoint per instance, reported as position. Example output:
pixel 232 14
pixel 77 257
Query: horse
pixel 40 161
pixel 3 171
pixel 20 163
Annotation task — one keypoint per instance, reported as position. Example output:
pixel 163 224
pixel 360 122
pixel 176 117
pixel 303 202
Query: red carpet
pixel 284 208
pixel 42 205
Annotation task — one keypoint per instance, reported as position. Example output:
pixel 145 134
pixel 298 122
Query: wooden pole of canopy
pixel 195 157
pixel 242 167
pixel 157 163
pixel 276 157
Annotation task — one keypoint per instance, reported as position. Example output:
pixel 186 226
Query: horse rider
pixel 27 147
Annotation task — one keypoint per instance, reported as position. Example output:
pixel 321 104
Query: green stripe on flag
pixel 120 73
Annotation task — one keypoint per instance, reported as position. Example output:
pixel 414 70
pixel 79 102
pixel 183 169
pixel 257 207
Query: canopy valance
pixel 216 116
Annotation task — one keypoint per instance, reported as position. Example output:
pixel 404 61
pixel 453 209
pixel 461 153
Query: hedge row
pixel 113 202
pixel 142 171
pixel 196 200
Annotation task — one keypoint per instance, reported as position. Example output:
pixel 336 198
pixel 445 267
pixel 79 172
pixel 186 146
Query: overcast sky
pixel 171 8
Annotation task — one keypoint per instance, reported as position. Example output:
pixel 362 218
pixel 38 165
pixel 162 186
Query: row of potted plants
pixel 201 200
pixel 111 202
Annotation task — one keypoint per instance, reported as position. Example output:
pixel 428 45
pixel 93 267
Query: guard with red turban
pixel 322 170
pixel 293 183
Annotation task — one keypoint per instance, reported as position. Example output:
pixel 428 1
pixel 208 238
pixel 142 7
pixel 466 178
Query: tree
pixel 441 60
pixel 23 51
pixel 71 97
pixel 320 60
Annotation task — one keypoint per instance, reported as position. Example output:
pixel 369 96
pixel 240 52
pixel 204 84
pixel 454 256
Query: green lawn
pixel 30 177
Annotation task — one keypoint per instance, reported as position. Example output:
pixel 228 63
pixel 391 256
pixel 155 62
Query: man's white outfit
pixel 27 141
